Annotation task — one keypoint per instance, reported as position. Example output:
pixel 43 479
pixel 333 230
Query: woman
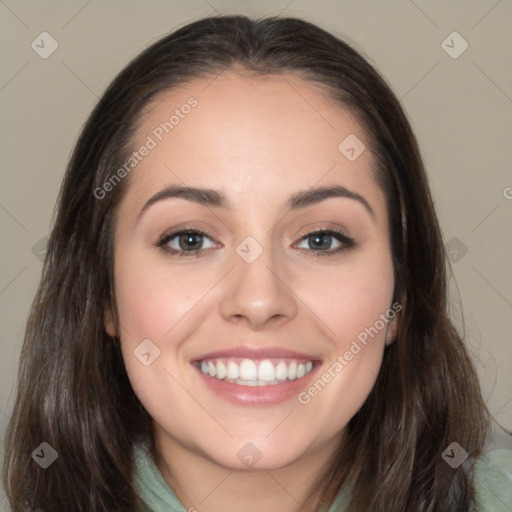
pixel 244 299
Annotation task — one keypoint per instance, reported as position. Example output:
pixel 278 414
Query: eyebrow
pixel 217 199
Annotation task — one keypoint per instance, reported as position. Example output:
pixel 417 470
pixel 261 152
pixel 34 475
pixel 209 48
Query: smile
pixel 251 372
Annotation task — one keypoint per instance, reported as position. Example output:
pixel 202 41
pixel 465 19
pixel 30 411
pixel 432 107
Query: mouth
pixel 254 372
pixel 258 377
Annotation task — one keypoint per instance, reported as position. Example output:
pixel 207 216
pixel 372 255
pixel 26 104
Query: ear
pixel 392 330
pixel 108 321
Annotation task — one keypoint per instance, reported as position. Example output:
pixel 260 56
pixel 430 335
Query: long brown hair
pixel 73 391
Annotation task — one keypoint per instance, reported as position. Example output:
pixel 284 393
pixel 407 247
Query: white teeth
pixel 221 370
pixel 256 373
pixel 292 371
pixel 248 370
pixel 266 371
pixel 233 370
pixel 282 371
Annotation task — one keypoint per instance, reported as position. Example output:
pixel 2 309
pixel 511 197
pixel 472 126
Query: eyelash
pixel 348 243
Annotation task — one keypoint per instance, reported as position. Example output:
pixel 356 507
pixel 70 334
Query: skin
pixel 258 139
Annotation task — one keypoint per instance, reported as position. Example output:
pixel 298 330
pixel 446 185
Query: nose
pixel 257 293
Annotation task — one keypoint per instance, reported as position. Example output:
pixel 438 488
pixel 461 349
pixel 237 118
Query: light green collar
pixel 493 482
pixel 157 496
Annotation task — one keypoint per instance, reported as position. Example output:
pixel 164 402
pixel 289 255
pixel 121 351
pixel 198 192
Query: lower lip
pixel 257 395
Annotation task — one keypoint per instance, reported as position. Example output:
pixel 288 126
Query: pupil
pixel 188 240
pixel 318 239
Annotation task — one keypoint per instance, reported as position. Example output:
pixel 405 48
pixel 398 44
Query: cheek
pixel 162 304
pixel 351 303
pixel 152 298
pixel 150 302
pixel 349 300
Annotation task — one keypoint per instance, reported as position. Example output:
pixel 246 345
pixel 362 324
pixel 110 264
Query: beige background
pixel 460 110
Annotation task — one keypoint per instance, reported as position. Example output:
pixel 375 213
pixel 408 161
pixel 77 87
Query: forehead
pixel 240 132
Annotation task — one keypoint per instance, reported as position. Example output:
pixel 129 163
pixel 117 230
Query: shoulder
pixel 493 481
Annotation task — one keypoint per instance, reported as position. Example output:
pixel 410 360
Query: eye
pixel 190 242
pixel 186 242
pixel 321 242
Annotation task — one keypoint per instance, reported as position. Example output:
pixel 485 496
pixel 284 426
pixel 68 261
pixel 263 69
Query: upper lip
pixel 255 353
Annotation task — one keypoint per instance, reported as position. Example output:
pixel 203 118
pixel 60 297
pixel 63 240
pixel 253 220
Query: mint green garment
pixel 493 479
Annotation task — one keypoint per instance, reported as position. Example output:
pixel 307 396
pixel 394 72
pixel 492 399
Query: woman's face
pixel 260 346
